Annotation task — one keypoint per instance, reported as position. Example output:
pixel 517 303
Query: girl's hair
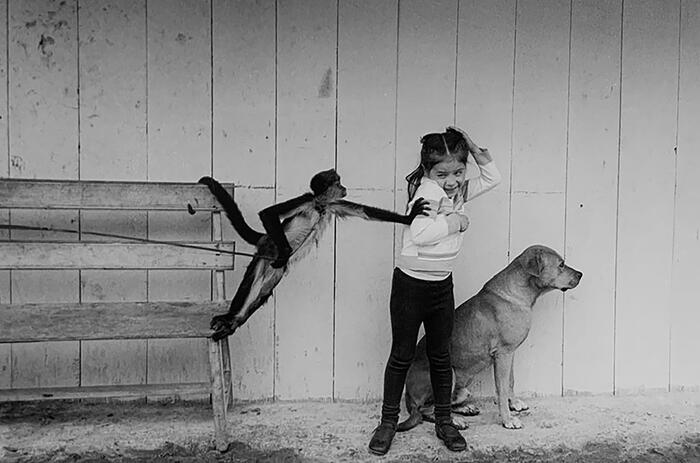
pixel 437 147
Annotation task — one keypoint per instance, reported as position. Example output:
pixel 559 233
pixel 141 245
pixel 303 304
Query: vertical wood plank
pixel 178 360
pixel 540 103
pixel 113 90
pixel 537 365
pixel 362 328
pixel 244 152
pixel 592 195
pixel 113 147
pixel 685 343
pixel 104 363
pixel 244 91
pixel 179 90
pixel 44 364
pixel 118 361
pixel 426 80
pixel 367 57
pixel 43 89
pixel 538 173
pixel 5 366
pixel 4 153
pixel 484 70
pixel 43 131
pixel 650 50
pixel 252 346
pixel 367 93
pixel 306 56
pixel 4 74
pixel 179 149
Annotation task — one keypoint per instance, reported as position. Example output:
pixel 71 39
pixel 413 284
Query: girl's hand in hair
pixel 473 148
pixel 481 155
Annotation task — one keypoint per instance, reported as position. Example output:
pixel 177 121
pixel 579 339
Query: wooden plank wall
pixel 591 120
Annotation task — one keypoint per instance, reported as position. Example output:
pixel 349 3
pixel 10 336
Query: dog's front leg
pixel 501 369
pixel 515 405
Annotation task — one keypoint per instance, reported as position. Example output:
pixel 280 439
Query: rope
pixel 124 237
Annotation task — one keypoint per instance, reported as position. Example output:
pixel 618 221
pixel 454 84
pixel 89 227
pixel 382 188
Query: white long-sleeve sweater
pixel 429 249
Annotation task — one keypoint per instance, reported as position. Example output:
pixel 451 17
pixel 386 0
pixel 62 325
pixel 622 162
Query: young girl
pixel 421 288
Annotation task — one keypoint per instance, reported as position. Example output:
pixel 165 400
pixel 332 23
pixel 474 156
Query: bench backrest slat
pixel 37 255
pixel 67 194
pixel 111 320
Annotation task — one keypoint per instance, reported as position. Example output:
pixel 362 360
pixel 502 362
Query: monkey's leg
pixel 255 289
pixel 222 323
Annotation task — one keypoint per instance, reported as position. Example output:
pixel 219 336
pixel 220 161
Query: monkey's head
pixel 326 185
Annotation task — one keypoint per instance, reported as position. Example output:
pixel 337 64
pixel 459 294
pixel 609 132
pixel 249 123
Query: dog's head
pixel 548 269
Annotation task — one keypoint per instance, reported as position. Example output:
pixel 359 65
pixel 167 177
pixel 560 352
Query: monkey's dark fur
pixel 292 228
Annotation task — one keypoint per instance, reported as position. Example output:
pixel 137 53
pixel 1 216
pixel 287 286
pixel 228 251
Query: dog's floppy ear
pixel 533 263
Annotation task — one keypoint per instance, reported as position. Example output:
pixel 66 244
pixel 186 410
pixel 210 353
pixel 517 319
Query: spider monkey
pixel 303 220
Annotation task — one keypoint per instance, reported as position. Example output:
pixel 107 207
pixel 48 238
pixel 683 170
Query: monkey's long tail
pixel 415 418
pixel 234 214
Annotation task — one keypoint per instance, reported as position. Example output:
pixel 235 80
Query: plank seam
pixel 512 133
pixel 396 123
pixel 454 114
pixel 335 228
pixel 275 358
pixel 566 187
pixel 675 189
pixel 617 206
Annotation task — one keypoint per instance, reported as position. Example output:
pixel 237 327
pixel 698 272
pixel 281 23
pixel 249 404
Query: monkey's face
pixel 326 185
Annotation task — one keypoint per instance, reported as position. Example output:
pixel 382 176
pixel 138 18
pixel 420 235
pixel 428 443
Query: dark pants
pixel 413 302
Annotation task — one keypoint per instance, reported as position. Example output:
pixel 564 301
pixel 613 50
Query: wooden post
pixel 218 401
pixel 220 295
pixel 226 360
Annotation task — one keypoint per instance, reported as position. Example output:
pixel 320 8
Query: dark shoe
pixel 449 434
pixel 381 440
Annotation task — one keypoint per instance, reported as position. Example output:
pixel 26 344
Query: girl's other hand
pixel 463 222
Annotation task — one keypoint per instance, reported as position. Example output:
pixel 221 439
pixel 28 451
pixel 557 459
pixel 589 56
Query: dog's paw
pixel 460 422
pixel 517 405
pixel 512 422
pixel 467 410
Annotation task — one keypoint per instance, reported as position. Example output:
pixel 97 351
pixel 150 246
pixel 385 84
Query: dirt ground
pixel 654 427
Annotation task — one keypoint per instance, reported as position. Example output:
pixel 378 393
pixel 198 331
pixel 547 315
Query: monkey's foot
pixel 223 326
pixel 466 410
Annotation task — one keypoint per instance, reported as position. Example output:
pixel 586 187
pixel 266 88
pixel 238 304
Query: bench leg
pixel 226 360
pixel 218 400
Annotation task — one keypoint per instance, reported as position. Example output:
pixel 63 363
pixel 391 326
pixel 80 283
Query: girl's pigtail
pixel 413 180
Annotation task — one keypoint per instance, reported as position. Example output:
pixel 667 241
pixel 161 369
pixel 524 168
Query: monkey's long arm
pixel 345 209
pixel 271 220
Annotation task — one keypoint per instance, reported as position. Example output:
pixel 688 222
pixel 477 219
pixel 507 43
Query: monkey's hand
pixel 420 207
pixel 283 255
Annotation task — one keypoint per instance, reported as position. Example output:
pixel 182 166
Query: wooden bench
pixel 20 323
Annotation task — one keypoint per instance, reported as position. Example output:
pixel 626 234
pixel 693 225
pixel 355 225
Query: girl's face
pixel 449 175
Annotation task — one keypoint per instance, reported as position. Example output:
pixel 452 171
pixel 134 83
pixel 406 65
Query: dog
pixel 488 328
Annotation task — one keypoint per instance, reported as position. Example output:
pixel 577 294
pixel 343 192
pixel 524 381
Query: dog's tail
pixel 415 416
pixel 234 214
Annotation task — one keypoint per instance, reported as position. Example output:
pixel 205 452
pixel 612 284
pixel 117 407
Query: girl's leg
pixel 438 331
pixel 406 318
